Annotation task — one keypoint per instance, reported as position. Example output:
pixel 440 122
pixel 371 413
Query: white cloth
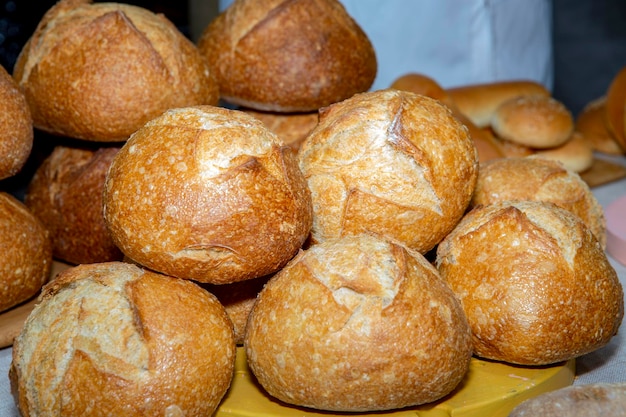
pixel 457 42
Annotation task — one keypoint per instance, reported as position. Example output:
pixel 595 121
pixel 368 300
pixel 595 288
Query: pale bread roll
pixel 209 194
pixel 128 341
pixel 389 162
pixel 288 56
pixel 26 253
pixel 576 153
pixel 16 127
pixel 591 123
pixel 536 121
pixel 537 179
pixel 534 283
pixel 100 71
pixel 357 324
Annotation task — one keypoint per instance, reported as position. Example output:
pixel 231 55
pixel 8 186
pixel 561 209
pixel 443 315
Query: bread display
pixel 100 71
pixel 538 179
pixel 65 193
pixel 209 194
pixel 129 341
pixel 291 128
pixel 392 163
pixel 357 324
pixel 16 127
pixel 599 399
pixel 536 121
pixel 288 56
pixel 534 283
pixel 591 124
pixel 26 253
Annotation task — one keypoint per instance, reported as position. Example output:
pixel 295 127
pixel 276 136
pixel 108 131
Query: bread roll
pixel 357 324
pixel 512 149
pixel 537 179
pixel 16 127
pixel 291 128
pixel 66 195
pixel 575 154
pixel 209 194
pixel 288 56
pixel 535 121
pixel 534 283
pixel 389 162
pixel 599 399
pixel 616 108
pixel 26 253
pixel 479 101
pixel 125 340
pixel 591 123
pixel 100 71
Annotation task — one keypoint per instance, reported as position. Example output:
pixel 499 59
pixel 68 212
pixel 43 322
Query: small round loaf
pixel 615 115
pixel 591 123
pixel 534 283
pixel 288 56
pixel 16 127
pixel 125 340
pixel 535 121
pixel 100 71
pixel 576 154
pixel 291 128
pixel 479 101
pixel 599 399
pixel 26 253
pixel 209 194
pixel 65 193
pixel 357 324
pixel 538 179
pixel 389 162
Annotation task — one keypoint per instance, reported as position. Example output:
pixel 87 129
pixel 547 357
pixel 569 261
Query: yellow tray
pixel 489 390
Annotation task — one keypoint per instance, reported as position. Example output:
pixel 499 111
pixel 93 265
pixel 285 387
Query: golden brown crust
pixel 591 123
pixel 142 66
pixel 357 324
pixel 209 194
pixel 424 85
pixel 288 55
pixel 537 179
pixel 26 253
pixel 575 154
pixel 479 101
pixel 392 163
pixel 535 284
pixel 616 108
pixel 16 127
pixel 536 121
pixel 66 195
pixel 291 128
pixel 131 341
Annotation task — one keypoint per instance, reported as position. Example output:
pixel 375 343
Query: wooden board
pixel 603 172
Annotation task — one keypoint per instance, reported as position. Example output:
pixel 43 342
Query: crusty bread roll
pixel 616 108
pixel 209 194
pixel 536 121
pixel 534 283
pixel 591 123
pixel 576 153
pixel 288 56
pixel 357 324
pixel 125 340
pixel 479 101
pixel 26 253
pixel 291 128
pixel 599 399
pixel 537 179
pixel 389 162
pixel 65 193
pixel 100 71
pixel 16 127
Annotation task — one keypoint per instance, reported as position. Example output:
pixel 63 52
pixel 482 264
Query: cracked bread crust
pixel 131 341
pixel 357 324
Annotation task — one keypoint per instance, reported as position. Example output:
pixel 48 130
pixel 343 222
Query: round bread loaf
pixel 125 340
pixel 288 56
pixel 599 399
pixel 16 127
pixel 291 128
pixel 537 179
pixel 534 283
pixel 591 123
pixel 100 71
pixel 536 121
pixel 615 115
pixel 357 324
pixel 66 195
pixel 207 193
pixel 479 101
pixel 26 253
pixel 392 163
pixel 576 154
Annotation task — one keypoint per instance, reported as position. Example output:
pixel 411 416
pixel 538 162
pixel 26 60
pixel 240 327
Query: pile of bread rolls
pixel 361 257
